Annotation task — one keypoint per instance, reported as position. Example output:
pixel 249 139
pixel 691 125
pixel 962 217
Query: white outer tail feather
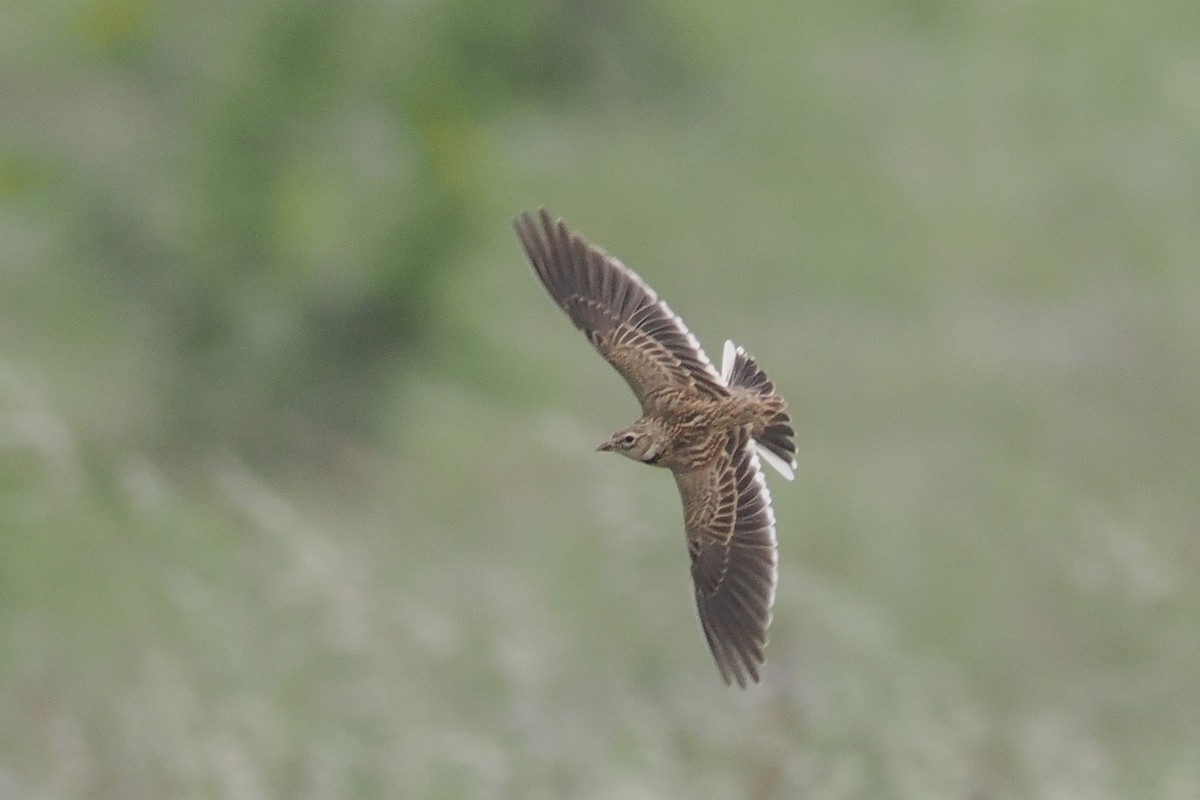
pixel 728 356
pixel 727 359
pixel 781 466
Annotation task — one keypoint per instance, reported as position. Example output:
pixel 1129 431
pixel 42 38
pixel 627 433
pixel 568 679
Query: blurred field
pixel 298 495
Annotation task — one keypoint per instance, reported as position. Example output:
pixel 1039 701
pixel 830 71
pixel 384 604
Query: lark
pixel 709 428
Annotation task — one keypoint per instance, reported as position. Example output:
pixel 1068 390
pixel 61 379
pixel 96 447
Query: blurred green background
pixel 297 490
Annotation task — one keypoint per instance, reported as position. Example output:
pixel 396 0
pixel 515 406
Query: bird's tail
pixel 774 433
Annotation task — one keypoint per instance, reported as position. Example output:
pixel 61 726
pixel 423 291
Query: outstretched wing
pixel 731 539
pixel 621 316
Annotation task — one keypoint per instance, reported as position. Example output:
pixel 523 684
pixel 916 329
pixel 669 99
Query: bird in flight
pixel 709 428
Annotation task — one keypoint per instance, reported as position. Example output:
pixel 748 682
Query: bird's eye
pixel 627 440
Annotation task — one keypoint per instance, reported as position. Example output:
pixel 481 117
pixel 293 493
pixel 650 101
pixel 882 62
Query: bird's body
pixel 688 432
pixel 708 428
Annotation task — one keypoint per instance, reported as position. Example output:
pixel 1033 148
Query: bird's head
pixel 633 442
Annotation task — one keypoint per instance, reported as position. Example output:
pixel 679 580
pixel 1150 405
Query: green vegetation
pixel 297 490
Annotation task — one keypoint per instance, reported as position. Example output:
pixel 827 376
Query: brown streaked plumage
pixel 708 428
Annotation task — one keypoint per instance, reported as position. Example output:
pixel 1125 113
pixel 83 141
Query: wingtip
pixel 521 222
pixel 530 217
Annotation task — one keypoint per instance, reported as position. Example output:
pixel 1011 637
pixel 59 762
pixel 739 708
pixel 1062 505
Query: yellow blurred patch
pixel 110 23
pixel 16 175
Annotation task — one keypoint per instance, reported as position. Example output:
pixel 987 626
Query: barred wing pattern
pixel 620 314
pixel 731 539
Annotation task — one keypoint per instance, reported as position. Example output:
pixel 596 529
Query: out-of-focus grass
pixel 961 239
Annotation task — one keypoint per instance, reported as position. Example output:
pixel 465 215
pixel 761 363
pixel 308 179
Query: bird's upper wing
pixel 731 539
pixel 621 316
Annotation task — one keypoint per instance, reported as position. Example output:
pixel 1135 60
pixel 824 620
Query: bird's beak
pixel 605 447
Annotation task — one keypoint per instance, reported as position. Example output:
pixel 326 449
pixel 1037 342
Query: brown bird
pixel 708 428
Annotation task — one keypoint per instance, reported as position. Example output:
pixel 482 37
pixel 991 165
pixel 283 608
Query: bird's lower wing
pixel 731 539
